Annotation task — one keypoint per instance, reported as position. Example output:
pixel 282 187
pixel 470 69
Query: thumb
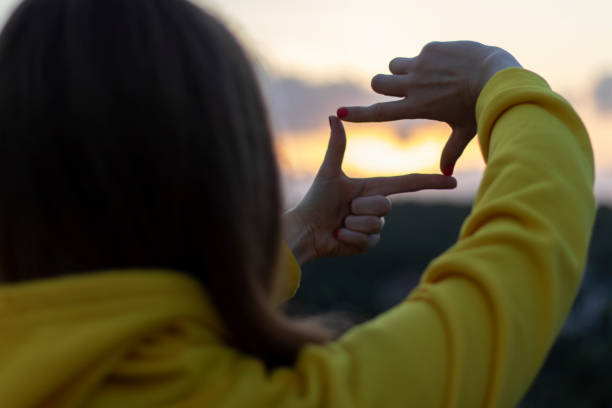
pixel 336 147
pixel 455 145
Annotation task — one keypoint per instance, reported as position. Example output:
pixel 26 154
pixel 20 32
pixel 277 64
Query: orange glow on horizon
pixel 375 150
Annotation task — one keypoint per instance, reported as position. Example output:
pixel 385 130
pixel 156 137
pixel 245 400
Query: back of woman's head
pixel 133 135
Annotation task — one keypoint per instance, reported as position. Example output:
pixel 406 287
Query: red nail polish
pixel 335 233
pixel 448 170
pixel 342 112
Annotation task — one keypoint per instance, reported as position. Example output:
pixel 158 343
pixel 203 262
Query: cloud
pixel 298 105
pixel 603 94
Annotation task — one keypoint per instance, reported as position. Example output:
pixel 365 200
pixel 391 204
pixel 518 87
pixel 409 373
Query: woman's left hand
pixel 344 216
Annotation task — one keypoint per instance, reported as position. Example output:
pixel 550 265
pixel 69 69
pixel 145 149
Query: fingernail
pixel 335 233
pixel 448 170
pixel 342 112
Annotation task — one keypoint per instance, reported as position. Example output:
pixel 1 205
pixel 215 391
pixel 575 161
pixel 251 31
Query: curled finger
pixel 377 205
pixel 391 85
pixel 401 65
pixel 368 224
pixel 358 240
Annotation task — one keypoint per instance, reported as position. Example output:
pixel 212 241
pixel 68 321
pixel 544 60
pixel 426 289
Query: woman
pixel 140 231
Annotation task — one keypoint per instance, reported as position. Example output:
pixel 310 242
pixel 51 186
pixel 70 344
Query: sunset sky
pixel 315 56
pixel 319 55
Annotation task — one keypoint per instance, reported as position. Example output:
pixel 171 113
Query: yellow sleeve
pixel 288 276
pixel 476 330
pixel 293 273
pixel 523 249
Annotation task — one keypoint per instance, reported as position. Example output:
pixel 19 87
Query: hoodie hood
pixel 129 336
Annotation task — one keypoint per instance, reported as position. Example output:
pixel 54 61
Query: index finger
pixel 380 112
pixel 408 183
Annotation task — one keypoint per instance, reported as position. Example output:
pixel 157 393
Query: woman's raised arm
pixel 478 327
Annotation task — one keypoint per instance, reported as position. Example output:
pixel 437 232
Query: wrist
pixel 497 60
pixel 298 236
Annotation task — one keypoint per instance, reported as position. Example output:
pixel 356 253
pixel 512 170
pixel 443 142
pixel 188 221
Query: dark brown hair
pixel 133 134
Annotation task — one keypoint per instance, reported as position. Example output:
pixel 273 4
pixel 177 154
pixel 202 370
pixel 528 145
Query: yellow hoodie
pixel 472 334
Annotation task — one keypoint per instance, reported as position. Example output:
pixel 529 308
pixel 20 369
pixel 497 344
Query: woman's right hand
pixel 442 83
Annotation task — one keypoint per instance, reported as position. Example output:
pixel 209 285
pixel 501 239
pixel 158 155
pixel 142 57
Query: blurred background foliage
pixel 577 371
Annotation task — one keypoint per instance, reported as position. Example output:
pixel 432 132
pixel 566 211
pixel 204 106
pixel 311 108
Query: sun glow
pixel 375 150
